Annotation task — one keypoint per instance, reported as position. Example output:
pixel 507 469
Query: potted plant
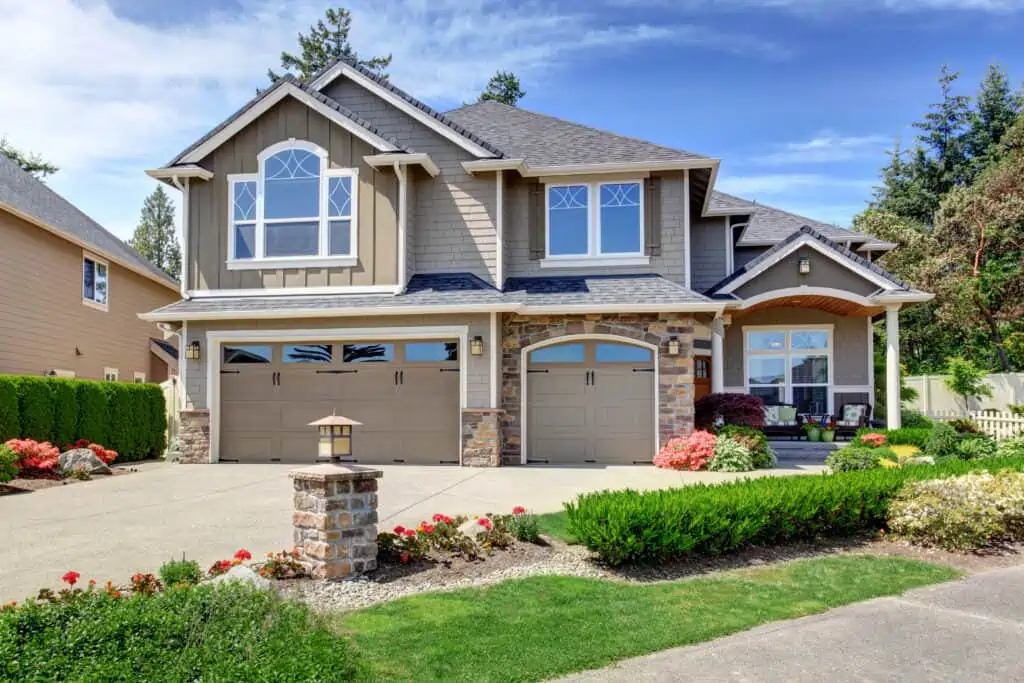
pixel 828 428
pixel 813 431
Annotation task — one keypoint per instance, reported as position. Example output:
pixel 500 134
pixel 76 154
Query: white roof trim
pixel 626 167
pixel 417 158
pixel 809 241
pixel 187 171
pixel 705 210
pixel 913 297
pixel 490 165
pixel 343 69
pixel 283 90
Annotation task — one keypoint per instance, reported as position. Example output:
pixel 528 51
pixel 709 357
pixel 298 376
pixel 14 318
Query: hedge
pixel 661 526
pixel 129 418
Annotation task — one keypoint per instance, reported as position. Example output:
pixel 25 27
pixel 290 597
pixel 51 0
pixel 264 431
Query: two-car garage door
pixel 406 394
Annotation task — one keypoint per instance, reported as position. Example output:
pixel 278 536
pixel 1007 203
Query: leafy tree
pixel 503 87
pixel 324 44
pixel 967 380
pixel 154 236
pixel 29 162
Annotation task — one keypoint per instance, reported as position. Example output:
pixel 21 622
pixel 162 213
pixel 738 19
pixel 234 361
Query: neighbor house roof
pixel 34 201
pixel 542 140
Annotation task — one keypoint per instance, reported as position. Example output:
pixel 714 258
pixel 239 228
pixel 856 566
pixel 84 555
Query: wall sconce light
pixel 673 346
pixel 476 346
pixel 805 265
pixel 335 438
pixel 192 350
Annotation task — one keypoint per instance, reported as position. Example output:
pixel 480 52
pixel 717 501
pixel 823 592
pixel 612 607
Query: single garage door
pixel 406 394
pixel 591 402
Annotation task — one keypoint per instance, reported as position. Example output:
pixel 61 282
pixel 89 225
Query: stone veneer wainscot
pixel 194 436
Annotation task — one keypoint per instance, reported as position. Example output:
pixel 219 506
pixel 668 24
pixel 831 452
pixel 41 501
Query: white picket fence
pixel 997 424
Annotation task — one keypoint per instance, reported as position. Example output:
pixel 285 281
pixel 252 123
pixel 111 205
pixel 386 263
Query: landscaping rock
pixel 243 574
pixel 84 460
pixel 921 460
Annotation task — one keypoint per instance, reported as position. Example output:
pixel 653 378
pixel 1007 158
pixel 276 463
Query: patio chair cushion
pixel 853 413
pixel 780 416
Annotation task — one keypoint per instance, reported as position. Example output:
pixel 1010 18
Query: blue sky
pixel 799 98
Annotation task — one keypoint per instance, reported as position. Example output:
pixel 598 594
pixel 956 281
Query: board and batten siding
pixel 453 215
pixel 44 322
pixel 209 202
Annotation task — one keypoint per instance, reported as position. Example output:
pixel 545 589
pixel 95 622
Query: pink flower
pixel 438 518
pixel 518 510
pixel 692 452
pixel 409 533
pixel 243 554
pixel 485 523
pixel 71 578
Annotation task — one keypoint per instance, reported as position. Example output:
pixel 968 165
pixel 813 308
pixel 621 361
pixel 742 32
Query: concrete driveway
pixel 110 528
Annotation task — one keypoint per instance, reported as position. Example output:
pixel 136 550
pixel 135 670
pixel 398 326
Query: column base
pixel 481 437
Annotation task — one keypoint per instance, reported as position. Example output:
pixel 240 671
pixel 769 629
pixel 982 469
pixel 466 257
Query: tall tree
pixel 503 87
pixel 154 236
pixel 29 162
pixel 997 108
pixel 325 43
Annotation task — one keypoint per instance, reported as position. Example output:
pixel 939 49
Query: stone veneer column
pixel 481 437
pixel 335 519
pixel 194 436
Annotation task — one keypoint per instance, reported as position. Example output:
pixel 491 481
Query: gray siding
pixel 707 242
pixel 741 256
pixel 453 217
pixel 824 273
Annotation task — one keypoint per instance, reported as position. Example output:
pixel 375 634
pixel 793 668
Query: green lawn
pixel 540 627
pixel 555 524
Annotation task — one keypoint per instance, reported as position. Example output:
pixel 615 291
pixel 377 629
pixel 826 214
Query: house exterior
pixel 73 292
pixel 492 286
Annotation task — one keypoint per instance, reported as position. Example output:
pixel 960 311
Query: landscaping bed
pixel 19 485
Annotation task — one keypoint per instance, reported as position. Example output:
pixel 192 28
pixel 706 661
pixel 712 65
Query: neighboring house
pixel 491 285
pixel 73 292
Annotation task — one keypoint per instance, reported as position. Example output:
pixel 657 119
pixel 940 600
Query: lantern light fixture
pixel 673 346
pixel 476 346
pixel 805 265
pixel 335 437
pixel 192 351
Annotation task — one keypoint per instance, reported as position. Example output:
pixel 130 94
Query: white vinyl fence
pixel 997 424
pixel 934 396
pixel 172 400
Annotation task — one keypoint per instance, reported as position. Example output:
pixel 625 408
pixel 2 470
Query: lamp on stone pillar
pixel 335 440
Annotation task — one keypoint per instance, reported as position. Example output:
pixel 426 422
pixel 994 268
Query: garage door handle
pixel 336 372
pixel 643 369
pixel 534 371
pixel 456 370
pixel 396 378
pixel 230 372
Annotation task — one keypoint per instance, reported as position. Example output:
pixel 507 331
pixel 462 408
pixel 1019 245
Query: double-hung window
pixel 95 273
pixel 790 366
pixel 594 223
pixel 296 211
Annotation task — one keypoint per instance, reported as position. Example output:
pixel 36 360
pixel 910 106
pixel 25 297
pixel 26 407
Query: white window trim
pixel 92 303
pixel 139 377
pixel 108 372
pixel 323 258
pixel 593 256
pixel 787 393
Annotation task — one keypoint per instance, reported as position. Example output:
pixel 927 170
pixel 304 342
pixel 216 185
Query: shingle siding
pixel 708 242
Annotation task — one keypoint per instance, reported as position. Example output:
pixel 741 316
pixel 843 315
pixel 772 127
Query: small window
pixel 94 281
pixel 339 215
pixel 110 374
pixel 568 220
pixel 139 377
pixel 596 220
pixel 562 353
pixel 701 368
pixel 307 353
pixel 623 353
pixel 240 355
pixel 620 219
pixel 427 352
pixel 243 193
pixel 368 353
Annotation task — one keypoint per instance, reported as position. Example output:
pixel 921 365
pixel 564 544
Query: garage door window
pixel 307 353
pixel 368 353
pixel 430 352
pixel 563 353
pixel 622 353
pixel 234 355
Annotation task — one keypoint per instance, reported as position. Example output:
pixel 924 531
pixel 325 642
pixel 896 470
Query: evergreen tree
pixel 503 87
pixel 154 236
pixel 324 44
pixel 997 108
pixel 29 162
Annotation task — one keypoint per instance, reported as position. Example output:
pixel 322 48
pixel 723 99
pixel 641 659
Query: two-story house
pixel 492 286
pixel 73 292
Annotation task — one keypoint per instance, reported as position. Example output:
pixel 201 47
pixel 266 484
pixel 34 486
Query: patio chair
pixel 781 419
pixel 853 416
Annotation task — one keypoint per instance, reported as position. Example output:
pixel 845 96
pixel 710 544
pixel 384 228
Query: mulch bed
pixel 16 486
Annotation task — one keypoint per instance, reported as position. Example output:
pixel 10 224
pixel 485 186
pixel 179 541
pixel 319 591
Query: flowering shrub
pixel 523 525
pixel 107 455
pixel 39 460
pixel 219 567
pixel 282 565
pixel 687 453
pixel 146 584
pixel 961 513
pixel 731 456
pixel 404 545
pixel 873 440
pixel 496 534
pixel 755 441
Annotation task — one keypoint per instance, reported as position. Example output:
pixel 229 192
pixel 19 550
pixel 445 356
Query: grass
pixel 555 524
pixel 540 627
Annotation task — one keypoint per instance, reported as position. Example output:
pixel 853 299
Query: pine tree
pixel 154 236
pixel 29 162
pixel 503 87
pixel 324 44
pixel 997 108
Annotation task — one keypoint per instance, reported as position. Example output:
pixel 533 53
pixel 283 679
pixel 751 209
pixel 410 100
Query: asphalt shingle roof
pixel 30 196
pixel 543 140
pixel 769 225
pixel 604 290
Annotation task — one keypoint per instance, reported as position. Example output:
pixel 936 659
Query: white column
pixel 717 356
pixel 892 366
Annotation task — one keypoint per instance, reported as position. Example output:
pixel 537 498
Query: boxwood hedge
pixel 660 526
pixel 129 418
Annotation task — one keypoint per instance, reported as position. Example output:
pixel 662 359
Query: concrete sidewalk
pixel 970 630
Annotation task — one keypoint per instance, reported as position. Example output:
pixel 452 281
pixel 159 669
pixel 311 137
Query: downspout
pixel 184 238
pixel 403 199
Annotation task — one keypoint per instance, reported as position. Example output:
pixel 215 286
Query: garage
pixel 406 394
pixel 591 401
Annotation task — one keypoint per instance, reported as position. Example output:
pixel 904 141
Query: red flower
pixel 427 529
pixel 518 510
pixel 243 554
pixel 438 517
pixel 71 578
pixel 399 530
pixel 485 523
pixel 409 533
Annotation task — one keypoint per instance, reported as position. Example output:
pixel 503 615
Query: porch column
pixel 717 356
pixel 892 366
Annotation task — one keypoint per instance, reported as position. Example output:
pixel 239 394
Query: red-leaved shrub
pixel 36 460
pixel 735 409
pixel 692 452
pixel 107 455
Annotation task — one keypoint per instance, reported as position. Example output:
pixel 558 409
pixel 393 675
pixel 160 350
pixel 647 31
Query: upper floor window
pixel 601 221
pixel 95 273
pixel 294 211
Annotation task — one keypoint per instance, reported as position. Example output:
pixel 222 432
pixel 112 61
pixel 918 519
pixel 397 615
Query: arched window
pixel 295 210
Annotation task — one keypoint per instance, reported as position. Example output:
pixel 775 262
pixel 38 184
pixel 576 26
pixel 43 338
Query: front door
pixel 701 377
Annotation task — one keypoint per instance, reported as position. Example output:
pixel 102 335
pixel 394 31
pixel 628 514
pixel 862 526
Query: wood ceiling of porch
pixel 822 303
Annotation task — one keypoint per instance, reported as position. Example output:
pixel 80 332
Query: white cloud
pixel 783 184
pixel 825 147
pixel 96 92
pixel 832 7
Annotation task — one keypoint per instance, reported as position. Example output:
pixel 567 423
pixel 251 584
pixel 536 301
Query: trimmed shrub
pixel 687 453
pixel 93 414
pixel 731 456
pixel 1011 448
pixel 755 441
pixel 735 409
pixel 857 458
pixel 35 401
pixel 10 413
pixel 911 419
pixel 8 463
pixel 65 411
pixel 942 442
pixel 661 526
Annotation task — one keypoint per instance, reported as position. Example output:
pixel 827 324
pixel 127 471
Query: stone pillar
pixel 335 519
pixel 892 366
pixel 717 356
pixel 481 437
pixel 194 436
